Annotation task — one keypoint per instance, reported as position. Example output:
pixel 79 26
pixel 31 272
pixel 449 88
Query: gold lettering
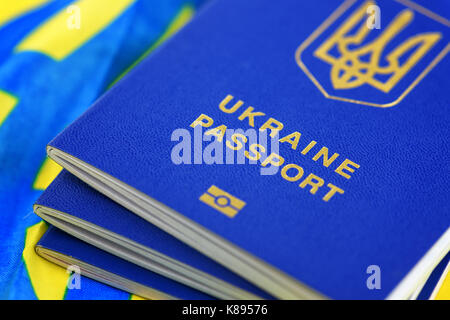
pixel 225 101
pixel 294 143
pixel 324 153
pixel 250 115
pixel 219 132
pixel 348 166
pixel 254 148
pixel 274 125
pixel 314 181
pixel 332 192
pixel 309 147
pixel 270 159
pixel 239 144
pixel 292 166
pixel 199 121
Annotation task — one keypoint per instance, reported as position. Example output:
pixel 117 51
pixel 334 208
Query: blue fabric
pixel 394 207
pixel 50 94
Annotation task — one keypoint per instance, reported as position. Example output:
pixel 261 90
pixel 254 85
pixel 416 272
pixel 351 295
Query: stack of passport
pixel 290 150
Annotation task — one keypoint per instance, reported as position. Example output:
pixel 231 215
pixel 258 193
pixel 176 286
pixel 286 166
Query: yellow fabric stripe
pixel 55 39
pixel 11 9
pixel 444 290
pixel 7 103
pixel 49 281
pixel 135 297
pixel 48 171
pixel 178 22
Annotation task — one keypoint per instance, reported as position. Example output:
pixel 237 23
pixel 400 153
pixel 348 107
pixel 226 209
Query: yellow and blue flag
pixel 56 58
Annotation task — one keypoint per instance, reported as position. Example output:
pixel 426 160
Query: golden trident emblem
pixel 358 65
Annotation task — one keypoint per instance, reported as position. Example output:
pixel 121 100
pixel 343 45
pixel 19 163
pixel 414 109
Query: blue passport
pixel 67 251
pixel 71 205
pixel 302 145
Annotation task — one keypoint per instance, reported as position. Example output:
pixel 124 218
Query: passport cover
pixel 373 96
pixel 72 196
pixel 59 241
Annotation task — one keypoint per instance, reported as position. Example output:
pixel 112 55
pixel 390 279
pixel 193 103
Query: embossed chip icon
pixel 222 201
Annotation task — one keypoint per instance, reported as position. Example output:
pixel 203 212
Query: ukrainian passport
pixel 302 145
